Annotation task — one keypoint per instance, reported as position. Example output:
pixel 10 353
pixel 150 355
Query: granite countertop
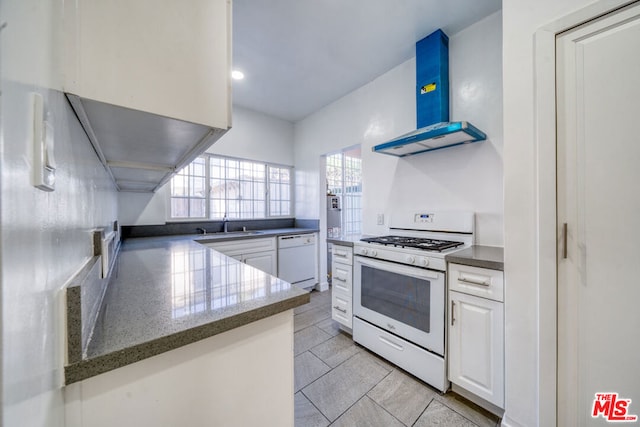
pixel 344 240
pixel 479 256
pixel 170 291
pixel 251 234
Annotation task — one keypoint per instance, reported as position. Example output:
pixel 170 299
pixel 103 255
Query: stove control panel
pixel 423 218
pixel 400 255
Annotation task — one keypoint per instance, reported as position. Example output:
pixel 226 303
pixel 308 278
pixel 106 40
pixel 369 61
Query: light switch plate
pixel 44 168
pixel 380 219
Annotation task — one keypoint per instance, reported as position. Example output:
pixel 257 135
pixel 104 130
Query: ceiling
pixel 300 55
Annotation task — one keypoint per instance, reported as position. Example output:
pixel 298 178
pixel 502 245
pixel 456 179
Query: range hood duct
pixel 432 105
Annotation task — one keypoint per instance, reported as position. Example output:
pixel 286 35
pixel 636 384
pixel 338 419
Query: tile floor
pixel 340 383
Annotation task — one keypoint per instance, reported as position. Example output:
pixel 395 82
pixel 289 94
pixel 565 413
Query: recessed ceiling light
pixel 237 75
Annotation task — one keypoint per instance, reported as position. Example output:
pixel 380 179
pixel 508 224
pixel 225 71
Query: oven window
pixel 403 298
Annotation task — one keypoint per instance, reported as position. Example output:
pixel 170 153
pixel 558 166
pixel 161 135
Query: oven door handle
pixel 399 268
pixel 390 343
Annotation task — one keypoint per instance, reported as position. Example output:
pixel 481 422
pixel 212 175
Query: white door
pixel 598 118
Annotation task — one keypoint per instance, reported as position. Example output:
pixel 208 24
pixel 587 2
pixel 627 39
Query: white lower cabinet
pixel 341 285
pixel 259 253
pixel 265 261
pixel 476 334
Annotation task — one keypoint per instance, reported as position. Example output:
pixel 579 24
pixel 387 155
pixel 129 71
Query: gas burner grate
pixel 414 242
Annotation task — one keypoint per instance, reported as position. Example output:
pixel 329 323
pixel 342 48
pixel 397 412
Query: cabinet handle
pixel 474 282
pixel 564 240
pixel 340 279
pixel 453 319
pixel 340 309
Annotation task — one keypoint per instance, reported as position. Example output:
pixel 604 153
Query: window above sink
pixel 216 187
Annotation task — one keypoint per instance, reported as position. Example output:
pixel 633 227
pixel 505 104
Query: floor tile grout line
pixel 331 369
pixel 323 362
pixel 366 395
pixel 318 356
pixel 307 327
pixel 314 405
pixel 382 407
pixel 423 411
pixel 330 337
pixel 462 415
pixel 326 373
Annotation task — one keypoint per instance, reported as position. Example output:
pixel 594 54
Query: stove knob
pixel 411 259
pixel 374 253
pixel 424 262
pixel 363 251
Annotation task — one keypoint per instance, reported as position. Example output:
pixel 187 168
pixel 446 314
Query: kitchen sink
pixel 222 234
pixel 238 233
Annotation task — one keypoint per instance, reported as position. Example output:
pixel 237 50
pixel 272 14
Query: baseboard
pixel 496 410
pixel 324 286
pixel 508 422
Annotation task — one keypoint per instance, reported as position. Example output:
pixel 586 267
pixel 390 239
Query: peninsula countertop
pixel 170 291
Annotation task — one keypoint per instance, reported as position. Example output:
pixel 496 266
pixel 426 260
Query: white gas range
pixel 400 289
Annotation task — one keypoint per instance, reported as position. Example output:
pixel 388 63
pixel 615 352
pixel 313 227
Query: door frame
pixel 547 228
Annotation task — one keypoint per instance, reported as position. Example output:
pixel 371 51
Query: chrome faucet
pixel 225 222
pixel 204 230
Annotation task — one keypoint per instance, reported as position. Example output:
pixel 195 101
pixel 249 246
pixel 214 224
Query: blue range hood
pixel 432 105
pixel 434 137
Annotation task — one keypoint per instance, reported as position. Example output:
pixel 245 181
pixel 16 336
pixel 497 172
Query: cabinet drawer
pixel 341 278
pixel 342 254
pixel 341 310
pixel 481 282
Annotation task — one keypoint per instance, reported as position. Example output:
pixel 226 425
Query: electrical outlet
pixel 380 219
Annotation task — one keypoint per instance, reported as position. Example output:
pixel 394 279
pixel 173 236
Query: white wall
pixel 254 136
pixel 464 178
pixel 461 178
pixel 45 237
pixel 257 136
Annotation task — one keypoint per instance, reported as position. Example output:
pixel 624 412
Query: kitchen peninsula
pixel 186 335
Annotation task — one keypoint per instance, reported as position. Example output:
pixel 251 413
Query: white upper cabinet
pixel 149 81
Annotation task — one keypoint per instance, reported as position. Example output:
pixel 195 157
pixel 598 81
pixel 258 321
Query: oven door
pixel 406 301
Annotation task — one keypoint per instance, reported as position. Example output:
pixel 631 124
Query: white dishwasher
pixel 297 259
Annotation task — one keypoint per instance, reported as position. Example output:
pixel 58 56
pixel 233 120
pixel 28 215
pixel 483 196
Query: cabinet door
pixel 265 261
pixel 476 346
pixel 341 278
pixel 120 53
